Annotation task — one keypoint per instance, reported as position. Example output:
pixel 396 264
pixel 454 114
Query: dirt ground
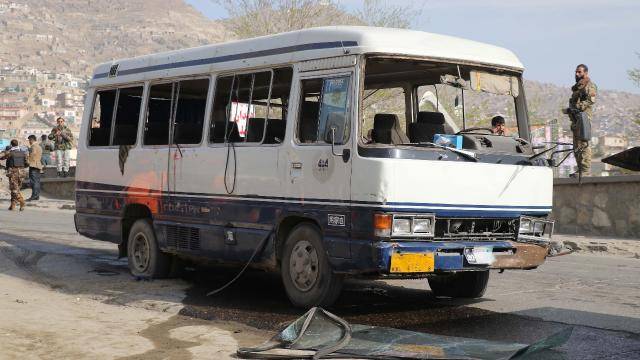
pixel 64 296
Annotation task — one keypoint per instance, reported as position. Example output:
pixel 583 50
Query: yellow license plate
pixel 412 262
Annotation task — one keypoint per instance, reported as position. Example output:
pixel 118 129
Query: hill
pixel 73 35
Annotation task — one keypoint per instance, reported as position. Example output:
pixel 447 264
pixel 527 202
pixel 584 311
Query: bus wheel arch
pixel 131 214
pixel 285 226
pixel 306 272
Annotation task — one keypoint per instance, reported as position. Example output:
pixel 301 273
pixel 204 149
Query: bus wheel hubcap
pixel 141 252
pixel 303 265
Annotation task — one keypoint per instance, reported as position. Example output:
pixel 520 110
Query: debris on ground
pixel 597 245
pixel 320 334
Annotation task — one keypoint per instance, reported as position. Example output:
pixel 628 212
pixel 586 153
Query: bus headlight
pixel 401 226
pixel 404 225
pixel 538 228
pixel 535 230
pixel 525 225
pixel 422 226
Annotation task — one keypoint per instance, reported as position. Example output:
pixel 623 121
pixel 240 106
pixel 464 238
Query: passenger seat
pixel 255 129
pixel 427 125
pixel 275 131
pixel 386 130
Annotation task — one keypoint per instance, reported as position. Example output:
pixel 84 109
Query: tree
pixel 381 14
pixel 250 18
pixel 634 74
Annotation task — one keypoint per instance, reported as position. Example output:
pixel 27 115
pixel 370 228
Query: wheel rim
pixel 141 253
pixel 303 265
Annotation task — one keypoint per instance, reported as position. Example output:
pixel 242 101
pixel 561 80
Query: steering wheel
pixel 471 129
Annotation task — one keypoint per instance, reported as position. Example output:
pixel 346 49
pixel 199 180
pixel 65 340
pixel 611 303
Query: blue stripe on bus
pixel 233 57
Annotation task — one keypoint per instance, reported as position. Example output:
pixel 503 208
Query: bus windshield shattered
pixel 426 104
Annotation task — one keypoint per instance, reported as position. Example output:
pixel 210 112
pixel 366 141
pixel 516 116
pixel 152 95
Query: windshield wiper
pixel 469 155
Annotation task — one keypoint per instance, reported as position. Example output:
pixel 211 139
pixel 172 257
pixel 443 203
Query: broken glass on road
pixel 319 334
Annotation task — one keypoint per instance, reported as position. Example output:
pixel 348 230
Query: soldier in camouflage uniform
pixel 63 143
pixel 583 98
pixel 14 173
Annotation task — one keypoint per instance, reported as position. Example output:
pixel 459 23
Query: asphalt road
pixel 599 296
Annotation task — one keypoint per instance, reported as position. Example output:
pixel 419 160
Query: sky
pixel 549 36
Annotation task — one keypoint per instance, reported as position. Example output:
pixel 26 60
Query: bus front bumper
pixel 407 258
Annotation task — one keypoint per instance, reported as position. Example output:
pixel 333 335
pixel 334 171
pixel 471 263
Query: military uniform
pixel 15 184
pixel 583 98
pixel 63 143
pixel 15 176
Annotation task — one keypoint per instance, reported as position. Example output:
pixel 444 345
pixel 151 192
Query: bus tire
pixel 470 284
pixel 144 255
pixel 306 273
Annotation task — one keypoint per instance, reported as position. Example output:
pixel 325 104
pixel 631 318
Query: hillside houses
pixel 31 99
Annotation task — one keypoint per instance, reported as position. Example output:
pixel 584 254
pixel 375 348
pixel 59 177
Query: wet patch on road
pixel 165 347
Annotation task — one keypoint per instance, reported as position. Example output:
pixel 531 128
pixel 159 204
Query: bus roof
pixel 301 45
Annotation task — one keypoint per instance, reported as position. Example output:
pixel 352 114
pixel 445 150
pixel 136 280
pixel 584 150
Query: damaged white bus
pixel 319 154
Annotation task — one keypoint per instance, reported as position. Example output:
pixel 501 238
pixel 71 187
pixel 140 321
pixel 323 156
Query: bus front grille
pixel 475 229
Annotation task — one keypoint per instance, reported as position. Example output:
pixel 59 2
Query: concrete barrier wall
pixel 59 187
pixel 599 206
pixel 63 188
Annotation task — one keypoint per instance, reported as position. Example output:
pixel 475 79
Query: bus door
pixel 318 164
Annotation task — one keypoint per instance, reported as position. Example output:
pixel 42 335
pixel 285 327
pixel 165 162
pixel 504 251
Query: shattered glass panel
pixel 318 331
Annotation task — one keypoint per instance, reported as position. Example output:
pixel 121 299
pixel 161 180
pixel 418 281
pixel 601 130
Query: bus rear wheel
pixel 471 284
pixel 306 273
pixel 144 255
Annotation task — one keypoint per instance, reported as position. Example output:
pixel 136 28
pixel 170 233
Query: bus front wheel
pixel 144 255
pixel 471 284
pixel 306 273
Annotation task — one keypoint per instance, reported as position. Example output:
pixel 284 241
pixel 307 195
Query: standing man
pixel 63 142
pixel 35 167
pixel 582 99
pixel 16 160
pixel 47 148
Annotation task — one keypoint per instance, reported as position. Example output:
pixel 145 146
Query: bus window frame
pixel 114 114
pixel 171 124
pixel 207 110
pixel 232 73
pixel 520 102
pixel 323 74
